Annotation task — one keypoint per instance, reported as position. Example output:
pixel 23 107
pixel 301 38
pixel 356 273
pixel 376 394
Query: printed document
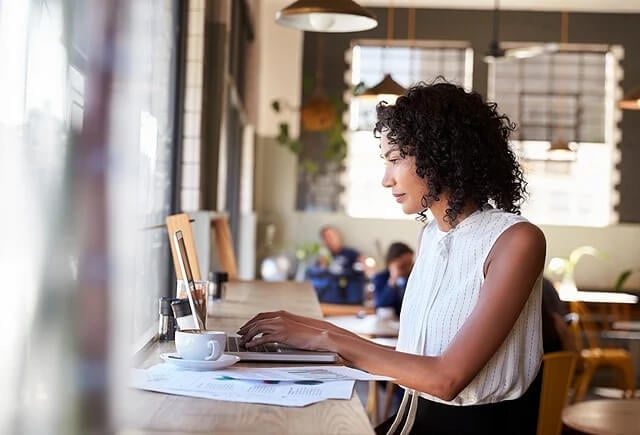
pixel 165 378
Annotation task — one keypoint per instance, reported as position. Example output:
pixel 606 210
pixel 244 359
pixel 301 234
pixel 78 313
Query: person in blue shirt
pixel 338 278
pixel 389 285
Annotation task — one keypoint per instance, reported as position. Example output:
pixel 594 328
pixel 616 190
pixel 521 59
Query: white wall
pixel 280 76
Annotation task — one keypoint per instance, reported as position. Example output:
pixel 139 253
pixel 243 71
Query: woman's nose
pixel 387 179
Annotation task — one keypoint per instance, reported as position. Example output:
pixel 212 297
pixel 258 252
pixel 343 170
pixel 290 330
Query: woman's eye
pixel 391 162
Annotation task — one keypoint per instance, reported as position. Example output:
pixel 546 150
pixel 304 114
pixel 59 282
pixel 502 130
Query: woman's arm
pixel 511 269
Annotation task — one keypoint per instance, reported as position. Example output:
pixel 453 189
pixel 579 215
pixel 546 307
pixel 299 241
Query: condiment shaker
pixel 182 313
pixel 166 321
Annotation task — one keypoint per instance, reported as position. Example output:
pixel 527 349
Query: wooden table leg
pixel 372 403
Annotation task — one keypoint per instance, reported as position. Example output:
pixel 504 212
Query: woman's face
pixel 400 176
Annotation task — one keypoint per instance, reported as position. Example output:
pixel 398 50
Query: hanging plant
pixel 318 115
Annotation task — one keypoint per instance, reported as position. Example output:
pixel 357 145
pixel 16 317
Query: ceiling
pixel 622 6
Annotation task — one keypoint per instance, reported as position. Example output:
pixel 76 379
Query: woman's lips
pixel 398 196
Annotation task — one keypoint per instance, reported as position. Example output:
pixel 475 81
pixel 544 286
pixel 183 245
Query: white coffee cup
pixel 200 345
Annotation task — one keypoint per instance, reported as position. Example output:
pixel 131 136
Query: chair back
pixel 181 222
pixel 225 246
pixel 557 374
pixel 585 327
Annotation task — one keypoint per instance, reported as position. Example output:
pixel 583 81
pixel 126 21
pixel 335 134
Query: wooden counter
pixel 156 412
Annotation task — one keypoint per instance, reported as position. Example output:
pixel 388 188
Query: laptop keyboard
pixel 233 345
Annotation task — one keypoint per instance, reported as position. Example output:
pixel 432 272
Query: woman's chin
pixel 406 209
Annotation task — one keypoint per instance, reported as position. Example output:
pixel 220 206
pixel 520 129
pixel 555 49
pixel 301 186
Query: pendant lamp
pixel 332 16
pixel 387 86
pixel 560 149
pixel 387 89
pixel 631 100
pixel 318 113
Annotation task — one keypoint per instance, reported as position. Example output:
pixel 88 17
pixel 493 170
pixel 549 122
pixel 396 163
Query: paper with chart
pixel 209 385
pixel 317 373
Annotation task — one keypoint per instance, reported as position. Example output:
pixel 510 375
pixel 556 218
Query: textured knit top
pixel 442 291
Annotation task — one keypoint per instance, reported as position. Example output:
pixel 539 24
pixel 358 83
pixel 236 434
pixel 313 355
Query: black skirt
pixel 518 416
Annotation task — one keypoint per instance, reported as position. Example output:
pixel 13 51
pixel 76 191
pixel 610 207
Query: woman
pixel 470 346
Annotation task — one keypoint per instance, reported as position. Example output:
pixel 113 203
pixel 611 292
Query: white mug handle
pixel 212 349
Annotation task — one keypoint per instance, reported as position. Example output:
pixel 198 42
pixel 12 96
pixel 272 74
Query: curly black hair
pixel 461 146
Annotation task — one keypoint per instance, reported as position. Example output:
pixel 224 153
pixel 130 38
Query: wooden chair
pixel 181 222
pixel 224 243
pixel 219 235
pixel 595 356
pixel 557 374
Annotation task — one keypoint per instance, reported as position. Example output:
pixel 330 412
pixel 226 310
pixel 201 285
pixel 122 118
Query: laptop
pixel 273 352
pixel 268 352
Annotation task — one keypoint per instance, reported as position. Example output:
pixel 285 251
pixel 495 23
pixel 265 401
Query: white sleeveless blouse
pixel 442 291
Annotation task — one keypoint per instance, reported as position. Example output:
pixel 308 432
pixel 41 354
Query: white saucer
pixel 191 364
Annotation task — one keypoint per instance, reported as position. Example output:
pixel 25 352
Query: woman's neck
pixel 439 209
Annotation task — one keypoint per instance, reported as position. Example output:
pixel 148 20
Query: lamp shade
pixel 560 150
pixel 332 16
pixel 631 101
pixel 387 86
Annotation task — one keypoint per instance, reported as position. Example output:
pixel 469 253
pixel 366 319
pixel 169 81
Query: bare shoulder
pixel 522 242
pixel 524 235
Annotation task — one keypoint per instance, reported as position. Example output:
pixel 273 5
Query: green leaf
pixel 283 134
pixel 275 105
pixel 295 146
pixel 307 85
pixel 309 166
pixel 337 103
pixel 359 88
pixel 622 278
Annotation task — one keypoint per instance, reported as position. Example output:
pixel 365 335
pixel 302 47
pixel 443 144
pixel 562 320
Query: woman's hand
pixel 287 328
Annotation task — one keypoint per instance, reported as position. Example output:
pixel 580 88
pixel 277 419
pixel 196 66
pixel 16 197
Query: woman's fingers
pixel 266 326
pixel 262 316
pixel 267 338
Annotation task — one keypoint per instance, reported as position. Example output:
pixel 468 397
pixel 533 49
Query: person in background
pixel 338 278
pixel 556 335
pixel 469 348
pixel 389 285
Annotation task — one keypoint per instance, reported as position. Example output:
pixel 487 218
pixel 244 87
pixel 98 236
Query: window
pixel 564 96
pixel 153 82
pixel 370 60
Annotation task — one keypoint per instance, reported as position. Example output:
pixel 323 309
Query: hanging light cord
pixel 390 20
pixel 496 21
pixel 411 25
pixel 564 38
pixel 564 27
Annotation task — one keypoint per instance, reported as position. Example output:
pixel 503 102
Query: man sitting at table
pixel 339 277
pixel 389 285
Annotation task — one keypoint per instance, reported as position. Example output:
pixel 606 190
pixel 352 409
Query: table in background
pixel 369 326
pixel 619 417
pixel 628 326
pixel 157 412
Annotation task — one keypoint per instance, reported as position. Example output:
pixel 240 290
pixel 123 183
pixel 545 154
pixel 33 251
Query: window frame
pixel 611 131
